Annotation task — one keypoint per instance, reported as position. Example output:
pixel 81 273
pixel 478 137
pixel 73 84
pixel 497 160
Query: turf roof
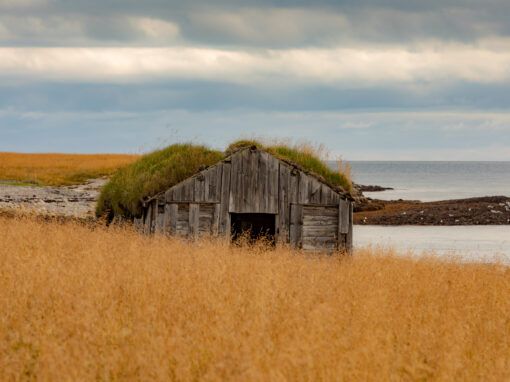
pixel 156 172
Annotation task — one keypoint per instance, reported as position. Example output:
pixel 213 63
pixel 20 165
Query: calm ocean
pixel 429 181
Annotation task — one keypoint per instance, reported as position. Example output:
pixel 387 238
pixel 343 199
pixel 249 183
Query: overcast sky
pixel 412 80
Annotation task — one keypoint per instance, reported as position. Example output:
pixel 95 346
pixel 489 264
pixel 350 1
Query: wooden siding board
pixel 235 174
pixel 303 189
pixel 293 186
pixel 212 184
pixel 296 223
pixel 334 198
pixel 182 224
pixel 283 201
pixel 216 219
pixel 250 181
pixel 273 184
pixel 326 195
pixel 224 218
pixel 348 241
pixel 205 218
pixel 260 182
pixel 193 219
pixel 148 220
pixel 154 205
pixel 196 186
pixel 171 218
pixel 343 216
pixel 160 219
pixel 314 191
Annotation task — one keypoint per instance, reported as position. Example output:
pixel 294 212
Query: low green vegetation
pixel 24 184
pixel 161 169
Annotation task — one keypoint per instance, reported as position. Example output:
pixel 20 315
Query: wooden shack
pixel 252 190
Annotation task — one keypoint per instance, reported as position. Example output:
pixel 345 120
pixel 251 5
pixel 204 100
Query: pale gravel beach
pixel 77 201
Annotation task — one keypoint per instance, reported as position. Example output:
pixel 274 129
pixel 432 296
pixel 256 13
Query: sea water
pixel 430 181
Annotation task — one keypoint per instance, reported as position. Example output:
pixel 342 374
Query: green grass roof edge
pixel 155 172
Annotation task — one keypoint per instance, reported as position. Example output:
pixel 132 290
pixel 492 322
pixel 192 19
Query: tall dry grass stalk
pixel 107 304
pixel 59 169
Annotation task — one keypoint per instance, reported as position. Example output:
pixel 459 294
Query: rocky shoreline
pixel 77 201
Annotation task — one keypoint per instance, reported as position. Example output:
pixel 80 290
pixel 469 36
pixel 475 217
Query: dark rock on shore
pixel 491 210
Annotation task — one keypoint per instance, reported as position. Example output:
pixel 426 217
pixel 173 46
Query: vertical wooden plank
pixel 196 187
pixel 294 186
pixel 257 184
pixel 199 188
pixel 170 218
pixel 182 226
pixel 216 220
pixel 169 195
pixel 345 225
pixel 154 215
pixel 283 201
pixel 303 192
pixel 194 212
pixel 210 183
pixel 172 226
pixel 160 220
pixel 215 185
pixel 235 173
pixel 273 184
pixel 245 202
pixel 204 188
pixel 314 191
pixel 325 194
pixel 187 191
pixel 224 227
pixel 334 197
pixel 343 217
pixel 178 193
pixel 349 241
pixel 296 224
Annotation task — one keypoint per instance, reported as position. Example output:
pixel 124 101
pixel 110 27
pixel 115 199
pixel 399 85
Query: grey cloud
pixel 253 23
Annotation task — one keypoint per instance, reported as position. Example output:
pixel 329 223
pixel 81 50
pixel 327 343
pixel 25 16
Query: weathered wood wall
pixel 308 213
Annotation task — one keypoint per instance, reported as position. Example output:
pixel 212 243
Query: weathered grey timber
pixel 253 187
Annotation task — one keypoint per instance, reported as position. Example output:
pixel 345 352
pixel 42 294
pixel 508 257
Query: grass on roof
pixel 158 171
pixel 151 174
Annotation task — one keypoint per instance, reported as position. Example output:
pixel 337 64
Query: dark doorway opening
pixel 254 226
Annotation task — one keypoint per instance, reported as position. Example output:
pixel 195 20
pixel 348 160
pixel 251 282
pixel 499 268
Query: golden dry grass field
pixel 59 169
pixel 92 303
